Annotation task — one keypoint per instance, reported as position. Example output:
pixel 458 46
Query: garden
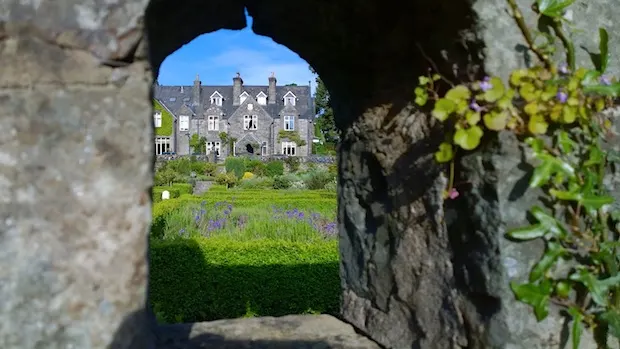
pixel 261 241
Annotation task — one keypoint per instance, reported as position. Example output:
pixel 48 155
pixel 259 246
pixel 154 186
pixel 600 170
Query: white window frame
pixel 243 97
pixel 214 147
pixel 213 123
pixel 289 148
pixel 216 98
pixel 246 122
pixel 183 123
pixel 289 123
pixel 163 145
pixel 157 119
pixel 261 98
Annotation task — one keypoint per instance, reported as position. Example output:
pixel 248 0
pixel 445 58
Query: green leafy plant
pixel 292 136
pixel 556 110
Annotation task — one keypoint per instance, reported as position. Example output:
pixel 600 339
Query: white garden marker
pixel 165 195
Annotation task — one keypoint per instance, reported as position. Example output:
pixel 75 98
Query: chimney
pixel 237 83
pixel 272 89
pixel 196 91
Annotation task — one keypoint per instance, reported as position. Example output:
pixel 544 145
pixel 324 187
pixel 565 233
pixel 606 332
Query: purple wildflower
pixel 562 97
pixel 605 80
pixel 485 84
pixel 474 106
pixel 563 68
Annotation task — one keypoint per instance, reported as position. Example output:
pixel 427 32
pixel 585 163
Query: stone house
pixel 261 120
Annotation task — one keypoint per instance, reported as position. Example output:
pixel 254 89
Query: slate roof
pixel 175 96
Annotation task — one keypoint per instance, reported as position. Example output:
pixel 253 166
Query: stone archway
pixel 76 110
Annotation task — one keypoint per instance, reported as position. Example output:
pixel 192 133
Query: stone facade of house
pixel 260 120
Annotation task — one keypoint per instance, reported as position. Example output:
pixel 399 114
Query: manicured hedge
pixel 205 279
pixel 176 190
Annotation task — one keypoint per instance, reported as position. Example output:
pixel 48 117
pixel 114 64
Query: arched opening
pixel 249 148
pixel 275 228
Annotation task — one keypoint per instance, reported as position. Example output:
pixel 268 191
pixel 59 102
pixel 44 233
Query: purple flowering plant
pixel 558 113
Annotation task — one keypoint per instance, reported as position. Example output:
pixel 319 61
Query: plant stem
pixel 518 16
pixel 568 45
pixel 451 183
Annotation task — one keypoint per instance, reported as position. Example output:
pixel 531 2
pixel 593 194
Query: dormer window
pixel 216 99
pixel 157 119
pixel 289 99
pixel 243 97
pixel 261 98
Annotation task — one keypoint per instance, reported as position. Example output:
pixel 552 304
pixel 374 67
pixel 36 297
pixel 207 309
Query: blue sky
pixel 218 56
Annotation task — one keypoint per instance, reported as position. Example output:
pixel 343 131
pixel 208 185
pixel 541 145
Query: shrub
pixel 317 179
pixel 235 165
pixel 274 168
pixel 292 163
pixel 182 166
pixel 255 166
pixel 205 168
pixel 195 279
pixel 247 175
pixel 257 183
pixel 166 176
pixel 228 179
pixel 281 182
pixel 333 169
pixel 331 186
pixel 183 188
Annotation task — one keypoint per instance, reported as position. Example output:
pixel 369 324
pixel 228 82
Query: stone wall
pixel 75 106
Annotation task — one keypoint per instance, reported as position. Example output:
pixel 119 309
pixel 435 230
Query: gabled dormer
pixel 243 97
pixel 261 98
pixel 216 99
pixel 289 99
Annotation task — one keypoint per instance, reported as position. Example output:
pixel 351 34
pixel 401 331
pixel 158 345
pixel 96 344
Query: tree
pixel 324 112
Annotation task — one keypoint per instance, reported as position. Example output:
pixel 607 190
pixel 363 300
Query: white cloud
pixel 256 64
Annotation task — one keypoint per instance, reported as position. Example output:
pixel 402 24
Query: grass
pixel 239 252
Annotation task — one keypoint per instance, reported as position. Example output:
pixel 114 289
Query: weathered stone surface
pixel 76 165
pixel 75 172
pixel 294 332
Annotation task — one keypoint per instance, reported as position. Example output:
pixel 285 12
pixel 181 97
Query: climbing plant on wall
pixel 291 136
pixel 558 112
pixel 166 120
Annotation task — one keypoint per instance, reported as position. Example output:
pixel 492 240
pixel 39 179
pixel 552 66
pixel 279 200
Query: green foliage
pixel 274 168
pixel 193 280
pixel 255 166
pixel 228 179
pixel 556 111
pixel 257 183
pixel 292 136
pixel 235 165
pixel 176 190
pixel 281 182
pixel 292 163
pixel 198 144
pixel 323 109
pixel 166 128
pixel 318 179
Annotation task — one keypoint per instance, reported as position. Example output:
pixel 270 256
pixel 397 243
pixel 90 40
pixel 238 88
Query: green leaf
pixel 595 157
pixel 552 253
pixel 443 108
pixel 612 318
pixel 472 117
pixel 537 144
pixel 537 125
pixel 527 233
pixel 565 195
pixel 529 92
pixel 445 152
pixel 553 8
pixel 423 80
pixel 536 295
pixel 436 77
pixel 604 49
pixel 612 90
pixel 496 120
pixel 596 201
pixel 468 139
pixel 591 78
pixel 458 93
pixel 599 289
pixel 577 327
pixel 565 143
pixel 548 222
pixel 541 175
pixel 496 91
